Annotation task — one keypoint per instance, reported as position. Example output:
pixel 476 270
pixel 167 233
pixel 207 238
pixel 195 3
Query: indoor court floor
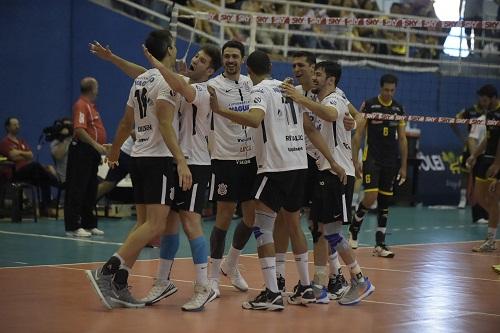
pixel 433 284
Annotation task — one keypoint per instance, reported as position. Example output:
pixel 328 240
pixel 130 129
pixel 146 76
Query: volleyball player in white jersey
pixel 234 165
pixel 151 108
pixel 281 176
pixel 332 198
pixel 303 70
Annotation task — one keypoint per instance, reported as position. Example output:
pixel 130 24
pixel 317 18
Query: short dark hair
pixel 7 122
pixel 259 63
pixel 158 42
pixel 215 56
pixel 388 78
pixel 86 86
pixel 236 45
pixel 488 90
pixel 331 68
pixel 310 57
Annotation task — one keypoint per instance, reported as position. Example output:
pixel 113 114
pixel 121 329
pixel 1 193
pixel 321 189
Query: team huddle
pixel 267 145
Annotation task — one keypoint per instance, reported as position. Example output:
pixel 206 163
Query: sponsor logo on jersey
pixel 299 137
pixel 257 100
pixel 144 128
pixel 222 189
pixel 239 107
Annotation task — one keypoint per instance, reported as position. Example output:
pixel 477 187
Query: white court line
pixel 58 237
pixel 463 312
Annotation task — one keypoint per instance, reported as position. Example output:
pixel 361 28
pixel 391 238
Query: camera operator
pixel 26 170
pixel 59 135
pixel 84 157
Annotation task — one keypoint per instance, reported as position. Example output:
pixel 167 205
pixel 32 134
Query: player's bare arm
pixel 356 145
pixel 471 161
pixel 174 80
pixel 122 133
pixel 403 152
pixel 495 167
pixel 165 113
pixel 318 142
pixel 252 118
pixel 129 68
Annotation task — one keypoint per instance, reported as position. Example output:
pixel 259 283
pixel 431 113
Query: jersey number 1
pixel 142 100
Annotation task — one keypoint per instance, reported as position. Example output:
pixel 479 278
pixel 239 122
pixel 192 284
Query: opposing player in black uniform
pixel 384 160
pixel 487 155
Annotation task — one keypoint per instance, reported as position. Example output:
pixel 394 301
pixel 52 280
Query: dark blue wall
pixel 45 53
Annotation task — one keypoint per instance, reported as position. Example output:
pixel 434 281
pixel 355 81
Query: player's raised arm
pixel 129 68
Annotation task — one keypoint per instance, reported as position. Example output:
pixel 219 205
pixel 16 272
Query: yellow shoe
pixel 496 268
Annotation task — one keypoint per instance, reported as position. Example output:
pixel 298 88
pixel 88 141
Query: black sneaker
pixel 266 300
pixel 281 285
pixel 302 295
pixel 337 286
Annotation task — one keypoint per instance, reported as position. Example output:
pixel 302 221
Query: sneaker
pixel 320 294
pixel 488 246
pixel 102 286
pixel 202 295
pixel 214 285
pixel 482 221
pixel 281 285
pixel 302 295
pixel 123 298
pixel 161 289
pixel 234 275
pixel 496 268
pixel 266 300
pixel 80 232
pixel 357 292
pixel 337 286
pixel 383 251
pixel 353 243
pixel 463 202
pixel 95 232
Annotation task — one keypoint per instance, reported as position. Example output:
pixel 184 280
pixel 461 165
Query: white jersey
pixel 127 146
pixel 279 140
pixel 232 141
pixel 147 89
pixel 195 126
pixel 335 135
pixel 477 131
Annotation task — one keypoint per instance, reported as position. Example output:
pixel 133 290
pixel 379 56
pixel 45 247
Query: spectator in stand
pixel 473 11
pixel 26 170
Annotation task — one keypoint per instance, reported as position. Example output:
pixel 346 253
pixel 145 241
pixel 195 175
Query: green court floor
pixel 45 243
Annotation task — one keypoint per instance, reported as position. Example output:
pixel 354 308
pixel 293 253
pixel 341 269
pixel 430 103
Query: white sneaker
pixel 214 285
pixel 482 221
pixel 353 243
pixel 234 274
pixel 202 295
pixel 95 232
pixel 161 289
pixel 80 232
pixel 383 251
pixel 488 246
pixel 463 202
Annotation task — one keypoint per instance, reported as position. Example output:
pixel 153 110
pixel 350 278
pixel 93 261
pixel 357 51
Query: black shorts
pixel 463 159
pixel 312 173
pixel 379 178
pixel 233 180
pixel 481 167
pixel 153 179
pixel 328 204
pixel 284 189
pixel 119 172
pixel 193 200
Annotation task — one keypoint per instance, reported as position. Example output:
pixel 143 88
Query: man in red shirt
pixel 84 157
pixel 26 170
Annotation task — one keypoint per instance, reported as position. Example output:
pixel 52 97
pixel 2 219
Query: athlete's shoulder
pixel 371 105
pixel 397 107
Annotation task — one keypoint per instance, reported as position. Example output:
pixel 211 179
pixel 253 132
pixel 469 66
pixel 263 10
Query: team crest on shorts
pixel 222 189
pixel 172 193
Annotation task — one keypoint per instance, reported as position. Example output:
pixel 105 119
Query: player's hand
pixel 290 91
pixel 288 80
pixel 349 123
pixel 100 51
pixel 492 171
pixel 358 167
pixel 112 157
pixel 401 178
pixel 185 177
pixel 152 60
pixel 214 103
pixel 340 172
pixel 493 186
pixel 471 162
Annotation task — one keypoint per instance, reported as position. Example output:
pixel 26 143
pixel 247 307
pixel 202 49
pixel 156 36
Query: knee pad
pixel 263 227
pixel 334 240
pixel 343 246
pixel 314 229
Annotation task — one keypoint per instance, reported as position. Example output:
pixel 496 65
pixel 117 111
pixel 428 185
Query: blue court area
pixel 44 243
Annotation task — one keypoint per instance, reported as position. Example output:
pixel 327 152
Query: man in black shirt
pixel 384 158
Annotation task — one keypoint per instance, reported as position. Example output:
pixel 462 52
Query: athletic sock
pixel 199 250
pixel 169 244
pixel 302 262
pixel 164 269
pixel 335 267
pixel 233 257
pixel 214 269
pixel 356 271
pixel 268 266
pixel 492 233
pixel 320 275
pixel 280 264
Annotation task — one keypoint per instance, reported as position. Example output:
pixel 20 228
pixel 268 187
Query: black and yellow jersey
pixel 472 112
pixel 492 132
pixel 381 135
